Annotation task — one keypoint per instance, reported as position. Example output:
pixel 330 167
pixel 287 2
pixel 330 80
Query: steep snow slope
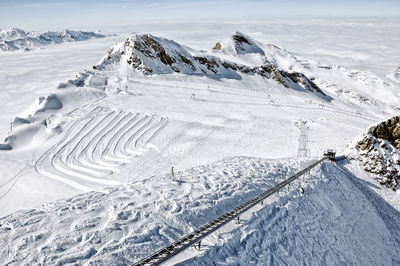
pixel 17 39
pixel 339 221
pixel 118 122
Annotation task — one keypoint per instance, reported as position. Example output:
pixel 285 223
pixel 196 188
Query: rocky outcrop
pixel 217 46
pixel 379 151
pixel 389 130
pixel 154 55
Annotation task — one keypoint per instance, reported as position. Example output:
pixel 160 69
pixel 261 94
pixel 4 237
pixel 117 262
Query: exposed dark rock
pixel 245 45
pixel 389 130
pixel 240 39
pixel 378 150
pixel 217 46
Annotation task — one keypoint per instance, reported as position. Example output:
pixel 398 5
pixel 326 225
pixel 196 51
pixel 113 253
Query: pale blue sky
pixel 61 13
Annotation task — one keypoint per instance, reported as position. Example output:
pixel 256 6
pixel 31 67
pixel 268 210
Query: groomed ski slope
pixel 338 219
pixel 96 145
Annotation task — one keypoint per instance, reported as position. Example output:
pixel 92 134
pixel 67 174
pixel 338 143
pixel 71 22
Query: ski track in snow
pixel 94 146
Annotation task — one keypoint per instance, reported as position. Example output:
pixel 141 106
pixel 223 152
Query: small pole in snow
pixel 198 245
pixel 172 173
pixel 11 126
pixel 237 220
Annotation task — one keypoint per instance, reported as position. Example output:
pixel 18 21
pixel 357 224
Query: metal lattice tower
pixel 303 150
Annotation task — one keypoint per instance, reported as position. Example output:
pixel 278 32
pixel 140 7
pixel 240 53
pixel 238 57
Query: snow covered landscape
pixel 115 144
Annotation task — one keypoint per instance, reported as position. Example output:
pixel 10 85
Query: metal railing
pixel 196 236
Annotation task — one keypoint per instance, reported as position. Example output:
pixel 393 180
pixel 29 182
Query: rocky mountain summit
pixel 379 151
pixel 148 54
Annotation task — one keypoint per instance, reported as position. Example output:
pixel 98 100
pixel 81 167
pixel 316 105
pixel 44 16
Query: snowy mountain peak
pixel 17 39
pixel 148 54
pixel 12 34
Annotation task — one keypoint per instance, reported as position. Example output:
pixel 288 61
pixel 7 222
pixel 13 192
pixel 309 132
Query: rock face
pixel 379 151
pixel 149 54
pixel 389 130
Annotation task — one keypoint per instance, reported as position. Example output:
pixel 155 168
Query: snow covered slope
pixel 116 129
pixel 17 39
pixel 124 223
pixel 338 220
pixel 134 115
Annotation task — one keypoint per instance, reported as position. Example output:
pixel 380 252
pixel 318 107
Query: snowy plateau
pixel 93 125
